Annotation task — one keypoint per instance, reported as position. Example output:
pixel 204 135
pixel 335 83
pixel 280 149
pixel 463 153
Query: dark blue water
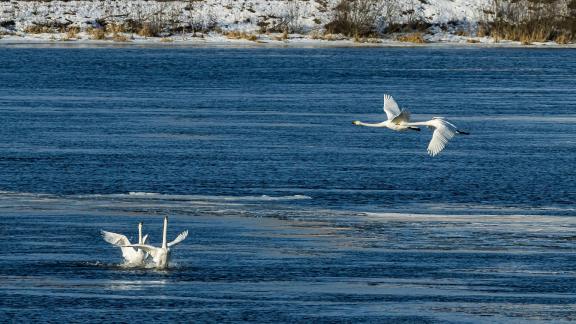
pixel 295 214
pixel 278 122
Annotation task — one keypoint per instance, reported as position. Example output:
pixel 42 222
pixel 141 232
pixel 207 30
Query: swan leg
pixel 462 132
pixel 414 128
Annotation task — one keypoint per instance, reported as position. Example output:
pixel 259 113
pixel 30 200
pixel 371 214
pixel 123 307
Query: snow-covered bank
pixel 243 22
pixel 51 40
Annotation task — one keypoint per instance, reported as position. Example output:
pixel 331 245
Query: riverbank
pixel 270 40
pixel 255 23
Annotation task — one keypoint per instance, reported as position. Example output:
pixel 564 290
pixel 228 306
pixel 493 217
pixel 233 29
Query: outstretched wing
pixel 181 237
pixel 152 250
pixel 391 107
pixel 115 238
pixel 404 117
pixel 443 132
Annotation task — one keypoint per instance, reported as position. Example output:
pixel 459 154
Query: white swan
pixel 399 120
pixel 161 255
pixel 396 117
pixel 132 256
pixel 443 132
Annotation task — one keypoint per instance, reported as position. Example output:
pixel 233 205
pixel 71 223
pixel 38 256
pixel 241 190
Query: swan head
pixel 356 122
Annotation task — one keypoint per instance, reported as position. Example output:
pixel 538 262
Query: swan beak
pixel 355 122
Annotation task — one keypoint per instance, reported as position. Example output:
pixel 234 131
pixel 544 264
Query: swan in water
pixel 161 255
pixel 132 256
pixel 396 117
pixel 399 120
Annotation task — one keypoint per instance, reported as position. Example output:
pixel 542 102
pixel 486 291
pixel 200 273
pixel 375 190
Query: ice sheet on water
pixel 140 202
pixel 215 198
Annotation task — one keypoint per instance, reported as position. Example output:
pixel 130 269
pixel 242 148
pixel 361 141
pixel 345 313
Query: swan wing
pixel 129 254
pixel 181 237
pixel 404 117
pixel 443 132
pixel 391 107
pixel 115 238
pixel 152 250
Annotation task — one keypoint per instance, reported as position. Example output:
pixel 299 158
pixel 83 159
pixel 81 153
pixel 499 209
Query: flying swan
pixel 132 256
pixel 161 255
pixel 399 120
pixel 396 118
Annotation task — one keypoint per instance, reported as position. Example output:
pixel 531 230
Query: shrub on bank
pixel 530 21
pixel 416 38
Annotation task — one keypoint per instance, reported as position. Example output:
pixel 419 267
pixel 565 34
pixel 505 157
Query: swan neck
pixel 164 233
pixel 139 233
pixel 369 124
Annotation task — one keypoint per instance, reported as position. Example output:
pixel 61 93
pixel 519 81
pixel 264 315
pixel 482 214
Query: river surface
pixel 294 213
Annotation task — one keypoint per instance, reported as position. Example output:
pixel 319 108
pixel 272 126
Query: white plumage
pixel 396 117
pixel 443 132
pixel 132 256
pixel 399 120
pixel 161 255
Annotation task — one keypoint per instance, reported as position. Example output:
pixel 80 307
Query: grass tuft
pixel 146 31
pixel 416 38
pixel 38 29
pixel 71 33
pixel 118 37
pixel 241 35
pixel 529 21
pixel 563 38
pixel 96 33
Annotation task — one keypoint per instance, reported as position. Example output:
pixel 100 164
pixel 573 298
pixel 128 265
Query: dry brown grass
pixel 525 40
pixel 315 35
pixel 332 37
pixel 71 33
pixel 36 29
pixel 472 41
pixel 416 38
pixel 146 31
pixel 119 37
pixel 367 40
pixel 115 28
pixel 529 21
pixel 96 33
pixel 251 38
pixel 482 31
pixel 241 35
pixel 523 34
pixel 166 40
pixel 282 37
pixel 117 31
pixel 462 32
pixel 562 39
pixel 373 40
